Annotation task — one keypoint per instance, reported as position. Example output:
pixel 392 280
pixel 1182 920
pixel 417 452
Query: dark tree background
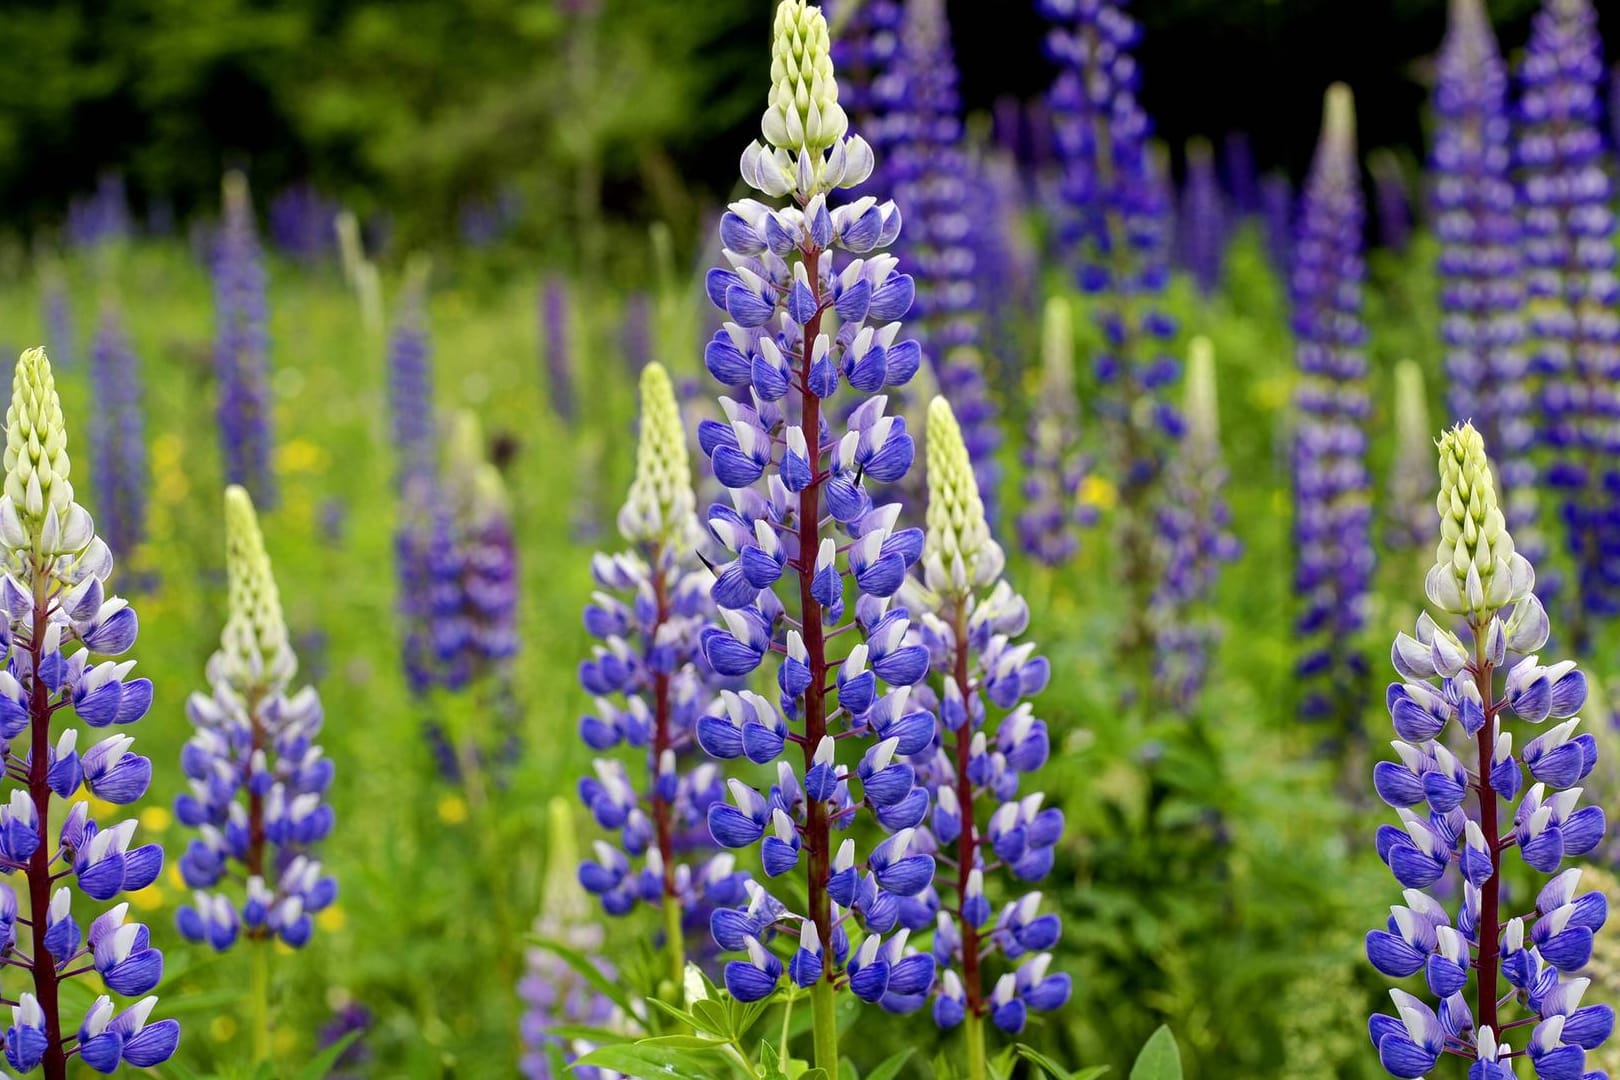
pixel 415 106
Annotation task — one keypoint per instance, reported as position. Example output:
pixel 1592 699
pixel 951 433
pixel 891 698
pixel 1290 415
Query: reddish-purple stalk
pixel 816 840
pixel 39 865
pixel 968 841
pixel 663 811
pixel 254 859
pixel 1489 930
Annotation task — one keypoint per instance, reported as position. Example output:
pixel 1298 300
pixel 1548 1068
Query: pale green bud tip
pixel 1336 149
pixel 36 458
pixel 1057 347
pixel 803 111
pixel 1476 567
pixel 1203 403
pixel 959 554
pixel 661 506
pixel 255 603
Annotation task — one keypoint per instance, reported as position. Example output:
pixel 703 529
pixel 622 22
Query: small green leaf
pixel 596 1036
pixel 890 1068
pixel 1053 1069
pixel 1159 1060
pixel 711 1016
pixel 322 1063
pixel 650 1062
pixel 847 1070
pixel 588 971
pixel 695 1043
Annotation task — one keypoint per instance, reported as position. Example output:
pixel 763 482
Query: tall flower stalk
pixel 557 352
pixel 812 304
pixel 61 635
pixel 242 346
pixel 118 434
pixel 1116 224
pixel 1053 513
pixel 651 685
pixel 258 779
pixel 1201 218
pixel 1410 522
pixel 1524 967
pixel 980 822
pixel 1482 287
pixel 1569 233
pixel 1332 506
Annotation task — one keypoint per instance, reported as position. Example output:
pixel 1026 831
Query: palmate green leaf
pixel 597 1036
pixel 680 1015
pixel 1056 1071
pixel 588 971
pixel 654 1062
pixel 1160 1058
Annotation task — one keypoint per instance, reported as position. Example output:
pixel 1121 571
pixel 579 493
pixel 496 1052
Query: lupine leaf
pixel 596 1035
pixel 684 1042
pixel 1056 1071
pixel 891 1066
pixel 651 1062
pixel 712 1017
pixel 588 971
pixel 322 1063
pixel 680 1015
pixel 1160 1059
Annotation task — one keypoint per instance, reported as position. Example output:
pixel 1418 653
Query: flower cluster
pixel 302 223
pixel 1451 682
pixel 1569 252
pixel 1053 513
pixel 930 173
pixel 1277 213
pixel 101 217
pixel 1201 219
pixel 242 346
pixel 118 435
pixel 1392 200
pixel 651 685
pixel 813 304
pixel 1482 291
pixel 60 637
pixel 1332 507
pixel 980 820
pixel 1195 529
pixel 552 992
pixel 485 548
pixel 556 334
pixel 257 778
pixel 1116 222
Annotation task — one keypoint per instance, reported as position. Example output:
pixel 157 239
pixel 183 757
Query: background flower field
pixel 1217 871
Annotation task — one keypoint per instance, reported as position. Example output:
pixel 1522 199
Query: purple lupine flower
pixel 101 217
pixel 865 50
pixel 302 222
pixel 928 170
pixel 653 691
pixel 1053 512
pixel 1201 225
pixel 1482 290
pixel 59 317
pixel 1195 530
pixel 1116 225
pixel 1455 792
pixel 242 346
pixel 970 624
pixel 1277 218
pixel 1393 201
pixel 63 637
pixel 1569 232
pixel 346 1021
pixel 813 304
pixel 118 435
pixel 486 220
pixel 1237 158
pixel 552 992
pixel 636 334
pixel 556 337
pixel 485 545
pixel 258 780
pixel 1332 508
pixel 1006 270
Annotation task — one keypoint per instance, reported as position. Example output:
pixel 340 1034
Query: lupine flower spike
pixel 1568 245
pixel 1457 773
pixel 61 638
pixel 799 327
pixel 653 692
pixel 258 780
pixel 1482 288
pixel 1054 513
pixel 1332 507
pixel 242 346
pixel 118 435
pixel 980 821
pixel 554 994
pixel 1195 531
pixel 1116 221
pixel 1410 521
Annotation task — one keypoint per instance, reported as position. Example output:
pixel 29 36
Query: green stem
pixel 675 944
pixel 787 1015
pixel 824 1026
pixel 261 1000
pixel 973 1028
